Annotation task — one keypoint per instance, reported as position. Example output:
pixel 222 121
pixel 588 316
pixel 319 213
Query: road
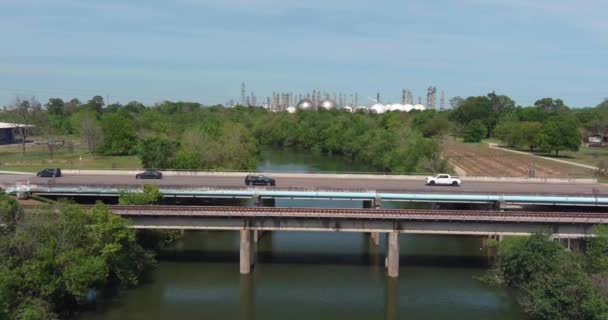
pixel 320 183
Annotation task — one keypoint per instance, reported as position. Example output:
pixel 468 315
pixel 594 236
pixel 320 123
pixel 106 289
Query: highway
pixel 319 183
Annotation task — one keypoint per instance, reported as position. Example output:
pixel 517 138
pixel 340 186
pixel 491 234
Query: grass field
pixel 585 155
pixel 478 159
pixel 37 158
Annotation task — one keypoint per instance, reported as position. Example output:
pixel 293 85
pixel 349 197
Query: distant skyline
pixel 201 50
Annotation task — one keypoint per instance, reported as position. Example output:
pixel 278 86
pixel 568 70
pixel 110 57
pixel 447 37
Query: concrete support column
pixel 392 261
pixel 246 251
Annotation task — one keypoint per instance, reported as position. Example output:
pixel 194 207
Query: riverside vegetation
pixel 184 135
pixel 53 258
pixel 553 282
pixel 50 264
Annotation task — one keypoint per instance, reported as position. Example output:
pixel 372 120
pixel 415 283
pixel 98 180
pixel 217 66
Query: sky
pixel 201 50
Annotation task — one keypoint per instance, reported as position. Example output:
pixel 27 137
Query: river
pixel 320 275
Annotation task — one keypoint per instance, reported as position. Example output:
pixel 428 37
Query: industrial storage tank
pixel 408 107
pixel 377 108
pixel 291 109
pixel 419 107
pixel 327 104
pixel 362 109
pixel 347 108
pixel 397 107
pixel 305 104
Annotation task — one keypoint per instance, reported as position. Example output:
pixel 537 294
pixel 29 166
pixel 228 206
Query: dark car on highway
pixel 259 180
pixel 50 173
pixel 149 174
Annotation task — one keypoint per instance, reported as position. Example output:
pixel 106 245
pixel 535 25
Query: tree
pixel 91 132
pixel 529 131
pixel 53 138
pixel 510 133
pixel 157 153
pixel 71 106
pixel 96 103
pixel 55 106
pixel 10 212
pixel 475 131
pixel 560 133
pixel 54 255
pixel 456 102
pixel 25 114
pixel 550 105
pixel 149 195
pixel 119 134
pixel 597 250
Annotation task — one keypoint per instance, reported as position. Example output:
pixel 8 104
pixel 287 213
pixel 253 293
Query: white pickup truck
pixel 443 180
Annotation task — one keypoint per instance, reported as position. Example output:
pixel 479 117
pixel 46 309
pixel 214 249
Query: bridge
pixel 568 192
pixel 251 222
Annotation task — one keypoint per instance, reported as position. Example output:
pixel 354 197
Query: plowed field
pixel 478 159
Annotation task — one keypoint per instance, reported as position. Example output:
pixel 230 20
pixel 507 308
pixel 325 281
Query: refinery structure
pixel 318 99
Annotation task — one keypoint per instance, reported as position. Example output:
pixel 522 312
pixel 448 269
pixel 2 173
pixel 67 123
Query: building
pixel 9 132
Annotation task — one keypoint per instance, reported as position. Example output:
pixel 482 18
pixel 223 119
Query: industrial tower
pixel 243 93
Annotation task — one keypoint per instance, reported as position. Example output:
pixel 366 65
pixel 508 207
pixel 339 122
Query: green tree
pixel 149 195
pixel 55 106
pixel 119 134
pixel 157 153
pixel 54 255
pixel 510 133
pixel 95 104
pixel 529 132
pixel 475 131
pixel 560 133
pixel 551 105
pixel 597 250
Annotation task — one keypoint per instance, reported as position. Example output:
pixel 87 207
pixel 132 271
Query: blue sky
pixel 201 50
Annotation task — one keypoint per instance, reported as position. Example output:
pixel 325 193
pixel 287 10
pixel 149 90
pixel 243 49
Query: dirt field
pixel 477 159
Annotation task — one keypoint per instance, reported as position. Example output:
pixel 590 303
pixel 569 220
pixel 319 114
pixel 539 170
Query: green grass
pixel 37 158
pixel 585 155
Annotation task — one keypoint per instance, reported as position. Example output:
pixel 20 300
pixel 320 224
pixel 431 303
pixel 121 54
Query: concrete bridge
pixel 250 222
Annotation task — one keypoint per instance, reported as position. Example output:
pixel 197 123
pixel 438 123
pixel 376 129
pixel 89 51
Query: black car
pixel 149 174
pixel 259 180
pixel 50 173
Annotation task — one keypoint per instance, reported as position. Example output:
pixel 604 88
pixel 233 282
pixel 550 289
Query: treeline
pixel 185 135
pixel 388 142
pixel 53 259
pixel 548 126
pixel 553 282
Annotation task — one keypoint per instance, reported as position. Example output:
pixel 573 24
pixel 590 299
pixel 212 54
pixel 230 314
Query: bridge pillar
pixel 246 251
pixel 392 260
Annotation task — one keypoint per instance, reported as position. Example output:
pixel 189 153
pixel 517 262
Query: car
pixel 50 173
pixel 259 180
pixel 443 180
pixel 149 174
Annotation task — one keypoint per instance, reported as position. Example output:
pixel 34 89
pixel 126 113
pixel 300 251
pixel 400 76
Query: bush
pixel 475 131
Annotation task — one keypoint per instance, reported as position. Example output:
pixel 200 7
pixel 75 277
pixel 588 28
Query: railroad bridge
pixel 250 222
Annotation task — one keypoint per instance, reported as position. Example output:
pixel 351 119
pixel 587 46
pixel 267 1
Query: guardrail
pixel 369 176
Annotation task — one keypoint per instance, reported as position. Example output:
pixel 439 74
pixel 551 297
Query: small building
pixel 9 132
